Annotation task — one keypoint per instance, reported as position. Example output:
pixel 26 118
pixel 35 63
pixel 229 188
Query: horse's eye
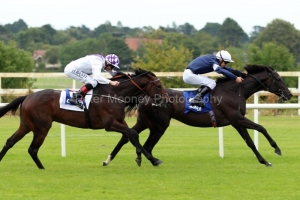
pixel 159 86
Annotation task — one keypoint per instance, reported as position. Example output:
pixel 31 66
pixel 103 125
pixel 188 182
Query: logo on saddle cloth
pixel 204 109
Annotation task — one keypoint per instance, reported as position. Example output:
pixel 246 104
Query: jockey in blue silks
pixel 205 64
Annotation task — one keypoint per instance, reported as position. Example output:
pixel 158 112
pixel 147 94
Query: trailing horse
pixel 228 101
pixel 106 111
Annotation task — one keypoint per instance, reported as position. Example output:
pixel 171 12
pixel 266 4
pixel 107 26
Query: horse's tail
pixel 13 106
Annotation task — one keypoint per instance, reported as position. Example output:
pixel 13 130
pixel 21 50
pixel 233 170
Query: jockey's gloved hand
pixel 244 75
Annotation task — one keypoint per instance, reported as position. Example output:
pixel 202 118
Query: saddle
pixel 206 108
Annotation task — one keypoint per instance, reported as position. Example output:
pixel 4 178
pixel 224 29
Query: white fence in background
pixel 254 106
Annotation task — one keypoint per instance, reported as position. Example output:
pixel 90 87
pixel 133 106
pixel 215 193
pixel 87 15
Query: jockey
pixel 204 64
pixel 82 68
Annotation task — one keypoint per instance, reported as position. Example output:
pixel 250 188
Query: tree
pixel 175 39
pixel 256 32
pixel 239 56
pixel 13 59
pixel 281 32
pixel 5 34
pixel 51 55
pixel 165 58
pixel 16 26
pixel 119 25
pixel 119 47
pixel 274 55
pixel 231 34
pixel 211 28
pixel 206 43
pixel 30 38
pixel 104 28
pixel 79 33
pixel 103 45
pixel 47 34
pixel 187 29
pixel 78 49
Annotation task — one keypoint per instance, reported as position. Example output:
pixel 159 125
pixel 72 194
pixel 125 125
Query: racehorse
pixel 229 110
pixel 107 110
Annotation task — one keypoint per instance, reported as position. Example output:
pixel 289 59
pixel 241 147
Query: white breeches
pixel 78 75
pixel 195 79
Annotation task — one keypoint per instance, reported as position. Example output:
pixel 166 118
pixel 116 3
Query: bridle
pixel 266 88
pixel 136 85
pixel 279 92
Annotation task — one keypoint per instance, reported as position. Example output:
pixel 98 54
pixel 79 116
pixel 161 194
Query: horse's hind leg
pixel 38 139
pixel 17 136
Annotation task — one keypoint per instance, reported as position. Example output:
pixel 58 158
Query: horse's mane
pixel 251 69
pixel 131 107
pixel 136 72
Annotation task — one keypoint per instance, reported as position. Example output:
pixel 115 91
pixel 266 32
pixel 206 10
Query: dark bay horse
pixel 107 111
pixel 229 110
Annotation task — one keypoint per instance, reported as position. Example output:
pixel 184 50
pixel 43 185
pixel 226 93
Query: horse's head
pixel 147 84
pixel 270 80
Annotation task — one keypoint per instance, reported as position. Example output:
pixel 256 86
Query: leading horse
pixel 230 109
pixel 107 111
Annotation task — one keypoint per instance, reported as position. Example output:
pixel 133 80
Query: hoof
pixel 269 164
pixel 157 162
pixel 104 163
pixel 278 151
pixel 138 162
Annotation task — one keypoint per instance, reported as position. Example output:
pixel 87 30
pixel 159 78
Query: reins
pixel 266 88
pixel 133 82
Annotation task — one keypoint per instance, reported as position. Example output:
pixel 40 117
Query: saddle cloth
pixel 189 108
pixel 67 94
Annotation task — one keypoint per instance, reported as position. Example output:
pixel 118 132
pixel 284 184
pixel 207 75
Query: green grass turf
pixel 192 167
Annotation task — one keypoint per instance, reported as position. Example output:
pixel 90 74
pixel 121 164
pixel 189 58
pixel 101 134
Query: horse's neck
pixel 123 89
pixel 249 87
pixel 245 89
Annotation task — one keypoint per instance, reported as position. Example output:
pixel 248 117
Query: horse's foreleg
pixel 116 150
pixel 245 135
pixel 152 140
pixel 134 139
pixel 138 127
pixel 252 125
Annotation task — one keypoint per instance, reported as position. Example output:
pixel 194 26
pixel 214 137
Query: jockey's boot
pixel 80 95
pixel 198 100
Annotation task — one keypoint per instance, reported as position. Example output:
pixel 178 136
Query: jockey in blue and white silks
pixel 204 64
